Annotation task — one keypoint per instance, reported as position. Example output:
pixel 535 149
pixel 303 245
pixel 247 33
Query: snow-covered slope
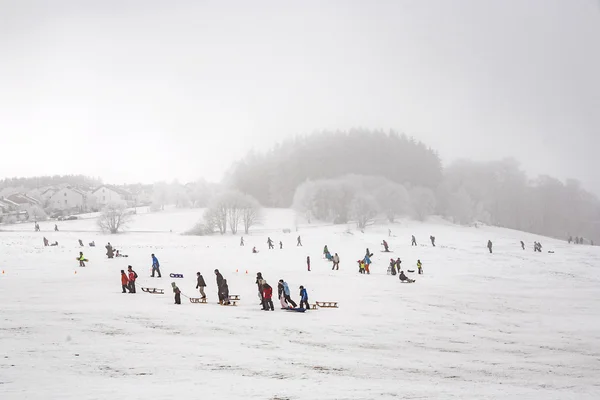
pixel 513 324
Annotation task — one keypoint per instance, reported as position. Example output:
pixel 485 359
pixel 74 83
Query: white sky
pixel 151 90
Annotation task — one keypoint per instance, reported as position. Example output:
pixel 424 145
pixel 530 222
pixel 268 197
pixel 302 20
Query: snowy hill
pixel 513 324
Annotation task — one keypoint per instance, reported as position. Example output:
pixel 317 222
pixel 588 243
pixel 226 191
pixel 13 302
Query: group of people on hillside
pixel 265 292
pixel 578 240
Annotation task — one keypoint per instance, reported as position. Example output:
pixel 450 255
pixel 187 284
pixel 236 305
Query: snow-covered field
pixel 514 324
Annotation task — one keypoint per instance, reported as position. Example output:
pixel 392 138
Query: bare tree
pixel 250 212
pixel 235 203
pixel 363 209
pixel 114 218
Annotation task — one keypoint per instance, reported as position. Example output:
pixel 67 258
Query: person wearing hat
pixel 304 298
pixel 201 284
pixel 177 293
pixel 219 283
pixel 132 277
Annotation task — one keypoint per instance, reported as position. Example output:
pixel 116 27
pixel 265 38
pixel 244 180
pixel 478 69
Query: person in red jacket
pixel 124 281
pixel 268 296
pixel 132 278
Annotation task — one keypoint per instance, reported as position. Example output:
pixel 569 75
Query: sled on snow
pixel 153 290
pixel 408 281
pixel 297 309
pixel 231 304
pixel 176 275
pixel 410 270
pixel 235 297
pixel 327 304
pixel 197 300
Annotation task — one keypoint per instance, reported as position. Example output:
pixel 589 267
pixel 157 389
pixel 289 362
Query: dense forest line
pixel 273 177
pixel 327 175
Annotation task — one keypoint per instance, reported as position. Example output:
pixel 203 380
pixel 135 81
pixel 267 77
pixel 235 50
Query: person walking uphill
pixel 420 267
pixel 270 243
pixel 336 262
pixel 132 277
pixel 304 298
pixel 81 259
pixel 268 297
pixel 414 241
pixel 155 266
pixel 489 246
pixel 224 292
pixel 219 283
pixel 308 262
pixel 177 293
pixel 299 242
pixel 124 281
pixel 201 284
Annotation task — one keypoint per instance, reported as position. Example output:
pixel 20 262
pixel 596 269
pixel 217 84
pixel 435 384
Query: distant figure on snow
pixel 93 244
pixel 109 250
pixel 267 296
pixel 132 277
pixel 81 259
pixel 392 269
pixel 386 248
pixel 304 298
pixel 242 241
pixel 405 278
pixel 389 233
pixel 308 262
pixel 286 293
pixel 570 239
pixel 46 243
pixel 398 262
pixel 336 262
pixel 81 243
pixel 414 241
pixel 325 251
pixel 522 245
pixel 270 243
pixel 124 281
pixel 254 250
pixel 420 267
pixel 55 228
pixel 201 284
pixel 280 245
pixel 54 244
pixel 432 238
pixel 219 283
pixel 299 242
pixel 155 266
pixel 177 293
pixel 489 246
pixel 224 291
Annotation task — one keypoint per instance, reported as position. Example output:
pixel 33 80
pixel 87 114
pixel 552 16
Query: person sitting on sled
pixel 404 278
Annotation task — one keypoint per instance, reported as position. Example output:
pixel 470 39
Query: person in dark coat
pixel 308 262
pixel 522 245
pixel 489 245
pixel 81 243
pixel 219 283
pixel 405 278
pixel 280 245
pixel 177 293
pixel 224 292
pixel 414 241
pixel 109 251
pixel 299 242
pixel 259 284
pixel 386 247
pixel 432 238
pixel 55 228
pixel 392 266
pixel 201 284
pixel 270 243
pixel 398 262
pixel 242 241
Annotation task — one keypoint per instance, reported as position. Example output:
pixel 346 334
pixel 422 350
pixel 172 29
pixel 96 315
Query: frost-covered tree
pixel 114 218
pixel 363 209
pixel 393 200
pixel 250 212
pixel 422 202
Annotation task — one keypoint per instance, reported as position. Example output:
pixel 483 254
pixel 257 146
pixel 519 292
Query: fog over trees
pixel 351 176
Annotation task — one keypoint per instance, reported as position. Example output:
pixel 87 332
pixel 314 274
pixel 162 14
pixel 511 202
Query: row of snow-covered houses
pixel 72 199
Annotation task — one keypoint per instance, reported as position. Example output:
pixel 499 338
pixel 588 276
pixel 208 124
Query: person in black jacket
pixel 224 292
pixel 490 246
pixel 201 284
pixel 219 283
pixel 259 283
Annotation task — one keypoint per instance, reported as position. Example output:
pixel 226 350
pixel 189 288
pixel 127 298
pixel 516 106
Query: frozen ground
pixel 511 325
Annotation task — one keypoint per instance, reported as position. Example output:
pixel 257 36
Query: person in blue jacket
pixel 286 293
pixel 155 266
pixel 304 298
